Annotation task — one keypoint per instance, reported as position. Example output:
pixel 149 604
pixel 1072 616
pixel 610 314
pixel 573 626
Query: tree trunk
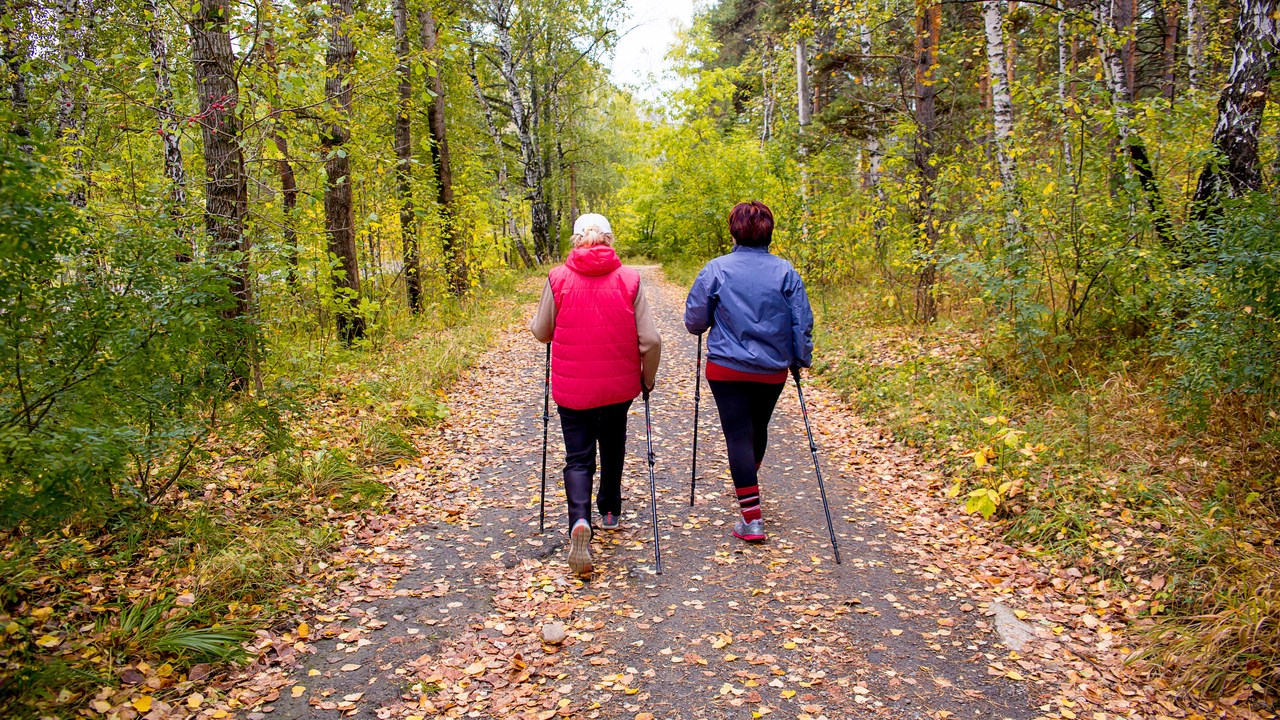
pixel 804 112
pixel 339 218
pixel 525 120
pixel 1063 67
pixel 928 34
pixel 1001 97
pixel 284 166
pixel 225 192
pixel 1235 169
pixel 451 241
pixel 74 35
pixel 1193 44
pixel 875 155
pixel 1124 15
pixel 500 156
pixel 1169 56
pixel 289 206
pixel 14 59
pixel 1114 71
pixel 404 160
pixel 167 119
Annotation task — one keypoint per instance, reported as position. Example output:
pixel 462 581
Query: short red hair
pixel 751 224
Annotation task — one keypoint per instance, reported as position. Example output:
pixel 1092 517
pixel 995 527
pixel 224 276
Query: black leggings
pixel 583 429
pixel 745 409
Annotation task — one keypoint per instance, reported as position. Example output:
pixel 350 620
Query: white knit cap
pixel 591 220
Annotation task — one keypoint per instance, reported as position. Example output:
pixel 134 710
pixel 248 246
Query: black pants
pixel 583 429
pixel 745 409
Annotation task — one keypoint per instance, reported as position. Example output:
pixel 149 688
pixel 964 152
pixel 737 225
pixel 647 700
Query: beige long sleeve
pixel 543 328
pixel 650 340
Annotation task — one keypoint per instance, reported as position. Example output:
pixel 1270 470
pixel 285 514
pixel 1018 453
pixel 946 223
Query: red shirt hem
pixel 722 373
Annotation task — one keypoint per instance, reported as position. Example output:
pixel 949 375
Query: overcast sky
pixel 648 32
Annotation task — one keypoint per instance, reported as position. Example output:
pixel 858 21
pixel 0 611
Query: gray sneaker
pixel 750 531
pixel 610 521
pixel 580 549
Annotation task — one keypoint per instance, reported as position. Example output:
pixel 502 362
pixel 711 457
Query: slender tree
pixel 993 12
pixel 928 35
pixel 15 79
pixel 339 214
pixel 167 125
pixel 1195 43
pixel 225 190
pixel 525 120
pixel 451 242
pixel 1114 70
pixel 404 159
pixel 500 161
pixel 75 32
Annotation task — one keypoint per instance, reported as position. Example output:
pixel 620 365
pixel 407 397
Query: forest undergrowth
pixel 1167 514
pixel 161 595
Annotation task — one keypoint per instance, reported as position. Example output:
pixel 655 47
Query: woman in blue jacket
pixel 756 308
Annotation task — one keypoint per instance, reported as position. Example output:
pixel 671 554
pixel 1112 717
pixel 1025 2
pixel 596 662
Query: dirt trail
pixel 441 609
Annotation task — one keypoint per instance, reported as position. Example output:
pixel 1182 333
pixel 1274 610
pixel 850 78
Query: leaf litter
pixel 442 599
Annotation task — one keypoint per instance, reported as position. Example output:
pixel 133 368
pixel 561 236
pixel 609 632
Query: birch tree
pixel 167 122
pixel 1235 169
pixel 1001 97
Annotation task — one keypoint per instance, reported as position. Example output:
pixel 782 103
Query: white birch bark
pixel 1062 86
pixel 1001 97
pixel 167 118
pixel 1236 169
pixel 1193 44
pixel 874 152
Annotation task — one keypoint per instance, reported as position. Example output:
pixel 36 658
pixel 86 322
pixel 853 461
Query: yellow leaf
pixel 297 690
pixel 41 613
pixel 475 668
pixel 48 641
pixel 788 693
pixel 304 630
pixel 980 458
pixel 164 670
pixel 143 704
pixel 195 701
pixel 789 645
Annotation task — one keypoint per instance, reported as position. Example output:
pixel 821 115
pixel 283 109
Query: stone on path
pixel 1014 633
pixel 553 633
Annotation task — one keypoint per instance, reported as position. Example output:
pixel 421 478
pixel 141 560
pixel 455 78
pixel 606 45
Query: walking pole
pixel 697 399
pixel 653 489
pixel 813 448
pixel 546 418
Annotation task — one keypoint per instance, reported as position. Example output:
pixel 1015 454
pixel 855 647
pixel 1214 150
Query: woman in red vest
pixel 604 350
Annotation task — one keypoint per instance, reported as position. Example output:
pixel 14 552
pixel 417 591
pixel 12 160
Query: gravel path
pixel 441 609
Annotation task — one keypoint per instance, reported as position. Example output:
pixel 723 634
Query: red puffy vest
pixel 595 352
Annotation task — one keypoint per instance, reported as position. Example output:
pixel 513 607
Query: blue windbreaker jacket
pixel 755 304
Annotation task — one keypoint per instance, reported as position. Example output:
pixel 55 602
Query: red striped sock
pixel 749 502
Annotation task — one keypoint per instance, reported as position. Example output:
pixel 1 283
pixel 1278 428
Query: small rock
pixel 1014 633
pixel 553 633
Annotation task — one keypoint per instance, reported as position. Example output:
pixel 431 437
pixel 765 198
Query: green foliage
pixel 1223 321
pixel 115 354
